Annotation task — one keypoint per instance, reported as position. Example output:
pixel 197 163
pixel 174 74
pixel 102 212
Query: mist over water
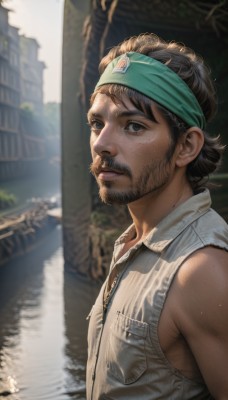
pixel 45 183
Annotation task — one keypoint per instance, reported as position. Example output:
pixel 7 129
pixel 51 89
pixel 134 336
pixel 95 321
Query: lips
pixel 109 170
pixel 108 174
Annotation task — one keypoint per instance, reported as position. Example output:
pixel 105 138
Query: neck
pixel 149 210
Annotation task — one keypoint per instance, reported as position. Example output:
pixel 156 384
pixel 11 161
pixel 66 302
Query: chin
pixel 109 196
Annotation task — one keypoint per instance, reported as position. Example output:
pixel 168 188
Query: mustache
pixel 108 162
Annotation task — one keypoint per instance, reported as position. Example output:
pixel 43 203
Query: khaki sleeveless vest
pixel 125 361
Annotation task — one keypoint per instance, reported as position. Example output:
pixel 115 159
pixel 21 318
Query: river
pixel 43 326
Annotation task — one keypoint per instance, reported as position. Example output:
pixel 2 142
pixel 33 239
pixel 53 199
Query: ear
pixel 189 146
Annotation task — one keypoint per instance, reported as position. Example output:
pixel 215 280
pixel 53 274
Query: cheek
pixel 150 150
pixel 142 154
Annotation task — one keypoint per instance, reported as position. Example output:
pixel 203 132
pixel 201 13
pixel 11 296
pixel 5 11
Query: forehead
pixel 105 103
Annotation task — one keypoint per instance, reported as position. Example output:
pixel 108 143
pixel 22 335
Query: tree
pixel 76 200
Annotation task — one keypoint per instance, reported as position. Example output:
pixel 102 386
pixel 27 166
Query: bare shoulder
pixel 208 265
pixel 199 293
pixel 202 286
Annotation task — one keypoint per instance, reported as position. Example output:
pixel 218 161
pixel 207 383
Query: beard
pixel 152 178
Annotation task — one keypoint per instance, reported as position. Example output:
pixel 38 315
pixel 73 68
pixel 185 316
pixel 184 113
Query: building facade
pixel 31 75
pixel 21 82
pixel 10 150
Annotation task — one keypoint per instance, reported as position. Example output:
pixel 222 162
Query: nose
pixel 104 142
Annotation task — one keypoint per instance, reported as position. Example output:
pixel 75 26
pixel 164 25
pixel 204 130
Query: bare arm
pixel 201 287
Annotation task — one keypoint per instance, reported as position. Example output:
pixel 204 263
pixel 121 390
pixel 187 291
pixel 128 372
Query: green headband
pixel 156 81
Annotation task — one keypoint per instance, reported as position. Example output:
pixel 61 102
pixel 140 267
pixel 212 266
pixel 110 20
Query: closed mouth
pixel 114 171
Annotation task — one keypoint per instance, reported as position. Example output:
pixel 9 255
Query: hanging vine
pixel 202 14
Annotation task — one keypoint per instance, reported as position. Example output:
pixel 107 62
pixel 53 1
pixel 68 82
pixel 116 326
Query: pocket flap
pixel 133 326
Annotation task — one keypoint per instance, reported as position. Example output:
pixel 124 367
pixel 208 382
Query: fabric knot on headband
pixel 156 81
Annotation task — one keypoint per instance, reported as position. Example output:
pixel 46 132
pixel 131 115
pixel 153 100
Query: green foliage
pixel 6 199
pixel 52 117
pixel 46 125
pixel 100 219
pixel 27 107
pixel 104 231
pixel 33 124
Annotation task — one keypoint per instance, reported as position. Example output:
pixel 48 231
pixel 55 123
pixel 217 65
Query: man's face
pixel 130 152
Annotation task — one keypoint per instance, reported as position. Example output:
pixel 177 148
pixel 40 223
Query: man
pixel 159 328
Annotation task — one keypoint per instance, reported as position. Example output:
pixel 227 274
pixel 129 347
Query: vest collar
pixel 173 224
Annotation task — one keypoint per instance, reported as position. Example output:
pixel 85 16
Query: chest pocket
pixel 125 355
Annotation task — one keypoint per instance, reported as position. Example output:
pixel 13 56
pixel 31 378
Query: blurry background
pixel 55 237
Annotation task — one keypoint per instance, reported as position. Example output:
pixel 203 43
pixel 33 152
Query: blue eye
pixel 96 125
pixel 134 127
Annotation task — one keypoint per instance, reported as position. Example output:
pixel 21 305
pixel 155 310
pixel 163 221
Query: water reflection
pixel 79 298
pixel 43 352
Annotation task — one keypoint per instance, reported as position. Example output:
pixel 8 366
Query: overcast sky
pixel 42 20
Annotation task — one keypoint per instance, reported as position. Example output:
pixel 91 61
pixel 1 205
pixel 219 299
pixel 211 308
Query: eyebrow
pixel 121 114
pixel 91 114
